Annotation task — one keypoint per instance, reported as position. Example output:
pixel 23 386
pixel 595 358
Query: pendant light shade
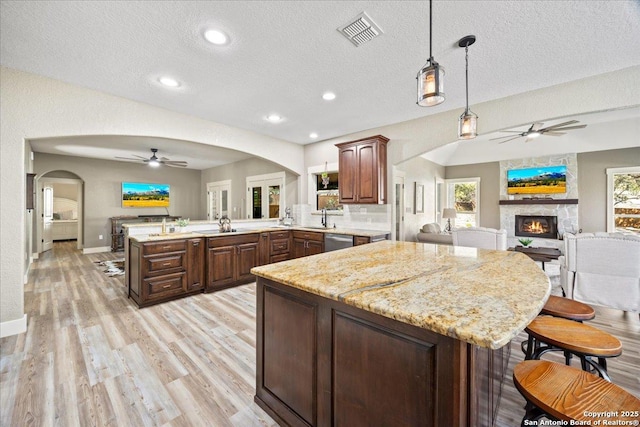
pixel 431 76
pixel 468 122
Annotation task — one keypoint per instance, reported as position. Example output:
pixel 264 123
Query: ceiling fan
pixel 155 161
pixel 536 130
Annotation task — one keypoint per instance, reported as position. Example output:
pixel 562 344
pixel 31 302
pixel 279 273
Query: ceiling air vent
pixel 360 29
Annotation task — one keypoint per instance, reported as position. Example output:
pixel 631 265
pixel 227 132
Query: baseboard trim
pixel 35 255
pixel 13 327
pixel 25 279
pixel 96 250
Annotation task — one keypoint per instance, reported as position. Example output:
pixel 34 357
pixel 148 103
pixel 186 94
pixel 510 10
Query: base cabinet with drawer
pixel 307 243
pixel 279 246
pixel 230 260
pixel 165 270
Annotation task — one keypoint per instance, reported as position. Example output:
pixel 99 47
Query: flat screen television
pixel 541 180
pixel 143 195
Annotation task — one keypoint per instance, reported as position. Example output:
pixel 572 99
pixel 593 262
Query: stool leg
pixel 601 370
pixel 532 413
pixel 567 358
pixel 529 350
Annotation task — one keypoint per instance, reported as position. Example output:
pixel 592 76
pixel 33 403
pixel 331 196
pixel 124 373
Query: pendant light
pixel 431 76
pixel 468 123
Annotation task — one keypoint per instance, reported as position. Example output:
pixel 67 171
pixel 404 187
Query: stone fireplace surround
pixel 567 213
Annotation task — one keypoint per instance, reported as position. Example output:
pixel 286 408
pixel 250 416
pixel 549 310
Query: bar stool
pixel 583 341
pixel 567 309
pixel 563 393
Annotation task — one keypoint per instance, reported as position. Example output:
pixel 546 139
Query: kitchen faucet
pixel 324 218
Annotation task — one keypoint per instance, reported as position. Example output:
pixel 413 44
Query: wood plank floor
pixel 91 358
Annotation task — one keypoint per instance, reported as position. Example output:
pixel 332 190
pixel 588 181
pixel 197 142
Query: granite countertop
pixel 212 232
pixel 479 296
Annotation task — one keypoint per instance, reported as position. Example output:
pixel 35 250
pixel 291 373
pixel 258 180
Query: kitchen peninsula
pixel 391 333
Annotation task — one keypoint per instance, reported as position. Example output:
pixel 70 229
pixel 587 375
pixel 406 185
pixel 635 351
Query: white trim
pixel 13 327
pixel 210 185
pixel 398 179
pixel 80 212
pixel 281 177
pixel 96 250
pixel 25 278
pixel 611 226
pixel 475 179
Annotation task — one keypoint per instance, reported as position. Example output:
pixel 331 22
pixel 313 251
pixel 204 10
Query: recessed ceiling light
pixel 274 118
pixel 328 96
pixel 168 81
pixel 313 135
pixel 216 37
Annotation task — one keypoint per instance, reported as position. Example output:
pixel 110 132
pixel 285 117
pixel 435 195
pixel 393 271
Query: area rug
pixel 113 267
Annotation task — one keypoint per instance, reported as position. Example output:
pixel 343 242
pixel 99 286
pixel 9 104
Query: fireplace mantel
pixel 539 202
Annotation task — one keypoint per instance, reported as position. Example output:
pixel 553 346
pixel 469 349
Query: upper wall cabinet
pixel 362 168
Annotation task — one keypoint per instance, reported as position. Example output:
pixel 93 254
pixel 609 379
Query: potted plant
pixel 182 223
pixel 525 242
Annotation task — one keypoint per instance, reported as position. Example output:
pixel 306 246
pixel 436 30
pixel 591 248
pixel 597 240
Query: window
pixel 327 196
pixel 265 196
pixel 464 195
pixel 623 199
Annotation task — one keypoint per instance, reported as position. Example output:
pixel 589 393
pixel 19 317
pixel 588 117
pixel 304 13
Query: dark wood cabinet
pixel 321 362
pixel 230 260
pixel 117 232
pixel 279 246
pixel 305 243
pixel 195 267
pixel 362 168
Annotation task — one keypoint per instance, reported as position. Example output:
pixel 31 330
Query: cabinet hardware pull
pixel 166 264
pixel 166 286
pixel 166 247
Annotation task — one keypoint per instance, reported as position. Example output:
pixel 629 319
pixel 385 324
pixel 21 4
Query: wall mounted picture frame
pixel 418 199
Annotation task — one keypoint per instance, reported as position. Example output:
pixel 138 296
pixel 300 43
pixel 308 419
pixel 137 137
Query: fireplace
pixel 537 226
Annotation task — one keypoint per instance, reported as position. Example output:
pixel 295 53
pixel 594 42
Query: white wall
pixel 37 107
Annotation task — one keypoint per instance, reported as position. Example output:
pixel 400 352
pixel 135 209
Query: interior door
pixel 218 201
pixel 264 197
pixel 47 216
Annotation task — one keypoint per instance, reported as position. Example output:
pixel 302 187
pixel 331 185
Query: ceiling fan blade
pixel 176 164
pixel 507 136
pixel 536 126
pixel 559 125
pixel 554 133
pixel 515 137
pixel 514 131
pixel 126 158
pixel 163 158
pixel 570 127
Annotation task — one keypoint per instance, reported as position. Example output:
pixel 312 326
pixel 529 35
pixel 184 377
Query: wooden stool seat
pixel 568 309
pixel 567 393
pixel 575 338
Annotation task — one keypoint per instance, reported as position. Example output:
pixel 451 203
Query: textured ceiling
pixel 284 55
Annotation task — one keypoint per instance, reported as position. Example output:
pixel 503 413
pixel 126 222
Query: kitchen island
pixel 391 333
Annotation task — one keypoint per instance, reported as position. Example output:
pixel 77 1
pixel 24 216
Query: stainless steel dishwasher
pixel 333 242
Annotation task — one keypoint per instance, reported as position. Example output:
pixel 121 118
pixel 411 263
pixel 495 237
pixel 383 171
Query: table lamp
pixel 448 213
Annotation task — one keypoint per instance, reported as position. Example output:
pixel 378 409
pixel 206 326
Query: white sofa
pixel 480 237
pixel 432 233
pixel 602 269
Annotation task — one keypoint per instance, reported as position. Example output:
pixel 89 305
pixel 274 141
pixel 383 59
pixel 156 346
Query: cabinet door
pixel 263 249
pixel 367 175
pixel 195 264
pixel 221 267
pixel 360 240
pixel 314 247
pixel 299 246
pixel 247 258
pixel 348 166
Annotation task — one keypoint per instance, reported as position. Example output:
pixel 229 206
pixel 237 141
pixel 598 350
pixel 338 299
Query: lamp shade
pixel 448 213
pixel 430 84
pixel 467 125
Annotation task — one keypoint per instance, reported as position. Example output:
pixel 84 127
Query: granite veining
pixel 479 296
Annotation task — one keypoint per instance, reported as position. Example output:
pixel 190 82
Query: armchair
pixel 480 237
pixel 602 269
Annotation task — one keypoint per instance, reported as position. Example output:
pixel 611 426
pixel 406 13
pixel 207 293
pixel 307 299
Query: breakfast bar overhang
pixel 391 333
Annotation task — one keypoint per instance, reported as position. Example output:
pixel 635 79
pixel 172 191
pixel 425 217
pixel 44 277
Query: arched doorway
pixel 59 209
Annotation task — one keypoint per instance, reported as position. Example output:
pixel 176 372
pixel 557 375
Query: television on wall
pixel 143 195
pixel 540 180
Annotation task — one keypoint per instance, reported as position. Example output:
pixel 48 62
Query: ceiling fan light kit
pixel 155 162
pixel 468 122
pixel 431 76
pixel 536 130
